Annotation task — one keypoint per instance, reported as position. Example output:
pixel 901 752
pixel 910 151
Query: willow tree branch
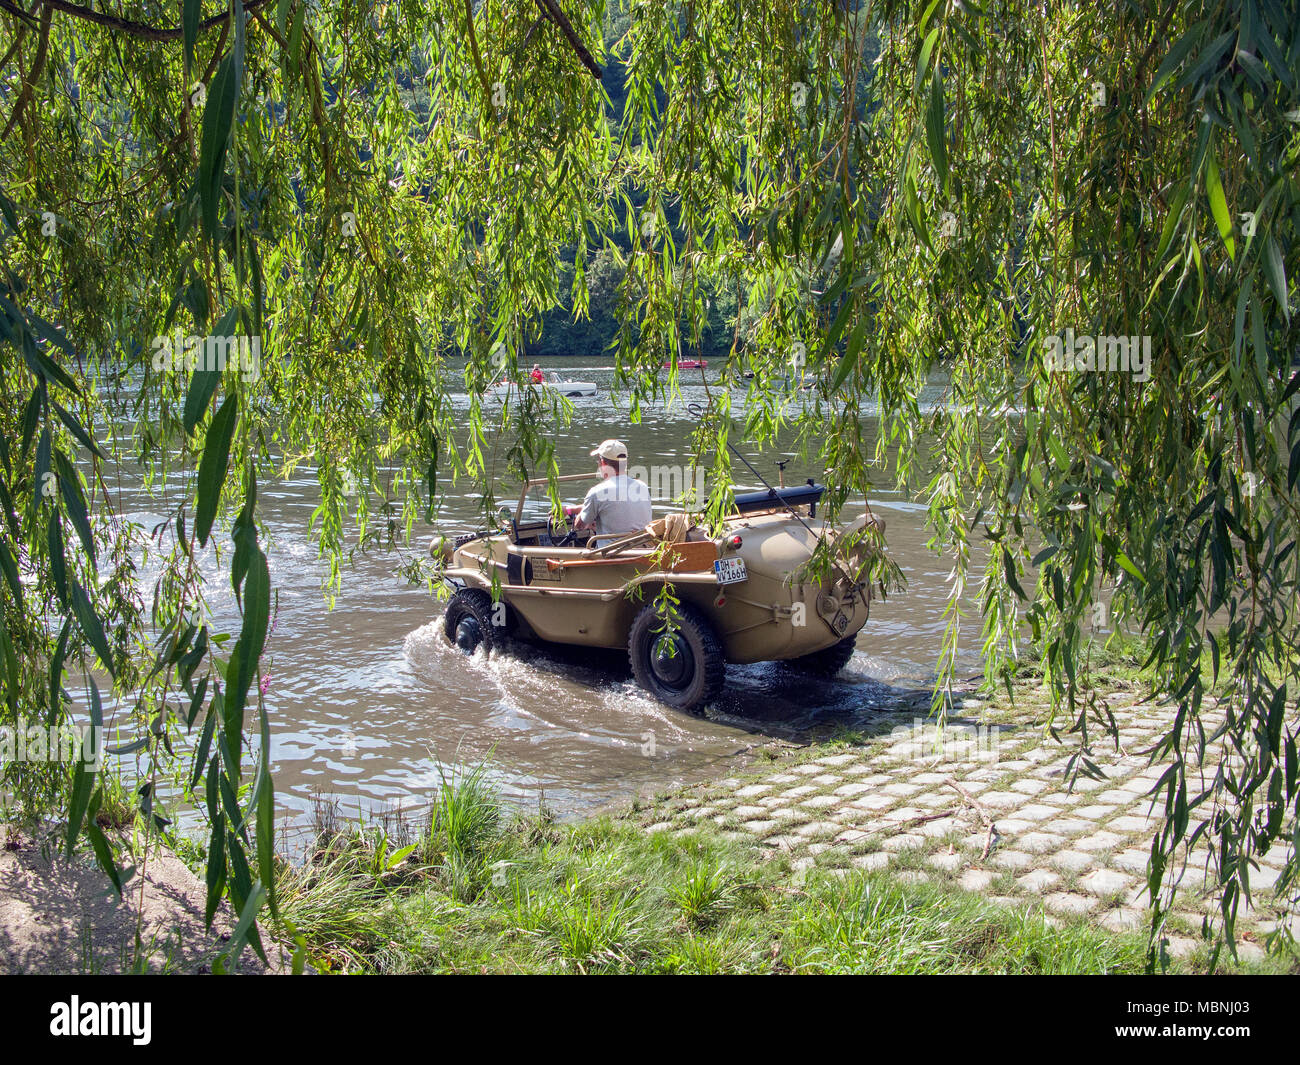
pixel 25 21
pixel 34 74
pixel 25 17
pixel 478 60
pixel 552 11
pixel 143 30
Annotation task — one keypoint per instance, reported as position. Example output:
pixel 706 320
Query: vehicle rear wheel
pixel 468 621
pixel 681 665
pixel 826 662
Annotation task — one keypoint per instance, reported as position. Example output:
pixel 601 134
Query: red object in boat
pixel 688 364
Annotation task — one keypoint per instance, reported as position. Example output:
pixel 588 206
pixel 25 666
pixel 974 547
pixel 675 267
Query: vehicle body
pixel 743 595
pixel 688 364
pixel 551 380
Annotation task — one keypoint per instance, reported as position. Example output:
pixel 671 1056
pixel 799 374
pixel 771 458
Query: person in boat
pixel 536 374
pixel 619 504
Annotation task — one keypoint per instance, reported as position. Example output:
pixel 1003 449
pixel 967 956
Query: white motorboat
pixel 550 380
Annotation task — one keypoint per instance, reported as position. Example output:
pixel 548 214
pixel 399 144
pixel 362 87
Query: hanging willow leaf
pixel 10 570
pixel 74 503
pixel 104 853
pixel 218 118
pixel 934 131
pixel 1219 205
pixel 213 466
pixel 58 563
pixel 1275 271
pixel 91 627
pixel 191 13
pixel 1173 59
pixel 76 429
pixel 83 779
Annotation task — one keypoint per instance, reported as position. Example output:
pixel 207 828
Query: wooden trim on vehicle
pixel 690 556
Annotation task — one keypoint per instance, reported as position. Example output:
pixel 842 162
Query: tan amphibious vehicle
pixel 742 595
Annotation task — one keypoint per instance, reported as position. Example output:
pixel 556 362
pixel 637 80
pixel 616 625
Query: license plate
pixel 730 570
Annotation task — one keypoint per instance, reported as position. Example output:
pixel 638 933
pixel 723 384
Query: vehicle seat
pixel 671 529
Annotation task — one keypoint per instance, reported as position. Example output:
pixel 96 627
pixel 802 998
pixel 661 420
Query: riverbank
pixel 891 849
pixel 882 852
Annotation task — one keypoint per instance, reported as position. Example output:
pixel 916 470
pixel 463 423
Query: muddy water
pixel 368 699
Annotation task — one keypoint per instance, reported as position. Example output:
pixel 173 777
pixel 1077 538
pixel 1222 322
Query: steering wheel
pixel 567 540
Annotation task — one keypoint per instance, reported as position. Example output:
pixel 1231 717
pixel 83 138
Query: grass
pixel 485 891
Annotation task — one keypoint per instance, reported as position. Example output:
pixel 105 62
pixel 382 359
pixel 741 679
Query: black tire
pixel 467 623
pixel 826 662
pixel 689 677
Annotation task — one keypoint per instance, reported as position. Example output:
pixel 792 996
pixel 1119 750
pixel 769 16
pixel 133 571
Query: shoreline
pixel 976 831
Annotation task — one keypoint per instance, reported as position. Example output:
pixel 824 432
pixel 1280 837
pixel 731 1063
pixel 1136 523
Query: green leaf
pixel 923 60
pixel 1129 567
pixel 104 854
pixel 190 17
pixel 1009 567
pixel 215 873
pixel 265 824
pixel 11 664
pixel 10 569
pixel 218 118
pixel 213 466
pixel 83 779
pixel 252 639
pixel 205 741
pixel 90 624
pixel 203 383
pixel 1219 205
pixel 912 210
pixel 934 131
pixel 245 930
pixel 204 379
pixel 1173 60
pixel 75 504
pixel 837 327
pixel 1171 222
pixel 75 428
pixel 296 31
pixel 1275 271
pixel 847 361
pixel 58 562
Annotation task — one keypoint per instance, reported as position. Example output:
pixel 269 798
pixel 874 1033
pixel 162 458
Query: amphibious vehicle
pixel 742 594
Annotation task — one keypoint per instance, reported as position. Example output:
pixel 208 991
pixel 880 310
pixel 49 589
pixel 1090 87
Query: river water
pixel 368 703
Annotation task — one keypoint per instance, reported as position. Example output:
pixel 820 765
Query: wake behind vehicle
pixel 743 595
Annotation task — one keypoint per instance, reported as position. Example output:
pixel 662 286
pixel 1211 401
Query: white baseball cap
pixel 611 451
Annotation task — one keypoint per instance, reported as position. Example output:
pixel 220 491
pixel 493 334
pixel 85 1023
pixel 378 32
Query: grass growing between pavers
pixel 483 890
pixel 919 811
pixel 605 896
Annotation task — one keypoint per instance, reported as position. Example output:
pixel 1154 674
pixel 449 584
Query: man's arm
pixel 587 515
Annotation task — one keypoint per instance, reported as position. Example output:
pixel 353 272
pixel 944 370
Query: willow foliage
pixel 873 191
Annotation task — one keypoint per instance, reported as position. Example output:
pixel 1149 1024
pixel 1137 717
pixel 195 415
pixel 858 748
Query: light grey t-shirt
pixel 617 505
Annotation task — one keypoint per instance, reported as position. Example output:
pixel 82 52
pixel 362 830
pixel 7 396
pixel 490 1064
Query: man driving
pixel 619 504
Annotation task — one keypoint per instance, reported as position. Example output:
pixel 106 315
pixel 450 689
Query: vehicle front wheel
pixel 682 664
pixel 826 662
pixel 468 621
